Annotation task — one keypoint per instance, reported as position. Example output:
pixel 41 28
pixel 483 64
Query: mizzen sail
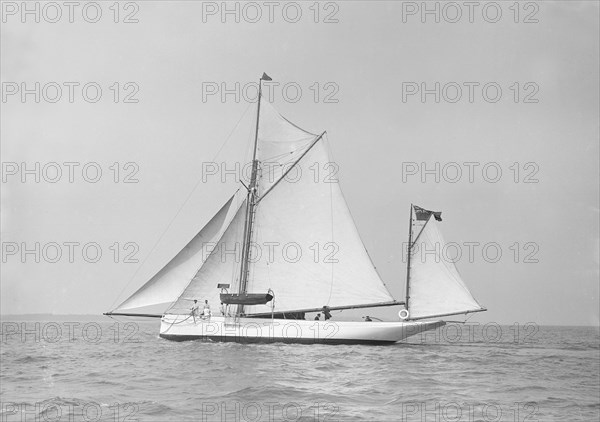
pixel 435 287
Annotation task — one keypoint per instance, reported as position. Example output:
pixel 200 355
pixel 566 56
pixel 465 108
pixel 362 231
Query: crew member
pixel 194 310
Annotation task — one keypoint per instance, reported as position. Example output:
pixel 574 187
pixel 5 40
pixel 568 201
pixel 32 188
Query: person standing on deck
pixel 194 310
pixel 206 311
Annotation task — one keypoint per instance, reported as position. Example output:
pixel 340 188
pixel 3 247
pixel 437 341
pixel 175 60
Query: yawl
pixel 266 297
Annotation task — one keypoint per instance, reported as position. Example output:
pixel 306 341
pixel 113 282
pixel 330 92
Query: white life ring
pixel 404 314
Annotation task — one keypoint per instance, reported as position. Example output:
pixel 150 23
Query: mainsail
pixel 317 258
pixel 435 288
pixel 304 246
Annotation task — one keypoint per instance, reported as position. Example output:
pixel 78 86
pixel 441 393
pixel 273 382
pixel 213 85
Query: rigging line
pixel 180 322
pixel 273 178
pixel 332 230
pixel 236 236
pixel 249 148
pixel 421 232
pixel 468 317
pixel 259 237
pixel 250 272
pixel 179 210
pixel 284 154
pixel 277 156
pixel 234 267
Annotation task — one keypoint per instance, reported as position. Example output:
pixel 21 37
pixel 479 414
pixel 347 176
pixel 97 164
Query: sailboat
pixel 265 297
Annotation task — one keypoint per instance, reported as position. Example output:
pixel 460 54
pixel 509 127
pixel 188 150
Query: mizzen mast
pixel 408 257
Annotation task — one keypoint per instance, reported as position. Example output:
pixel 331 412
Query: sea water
pixel 81 368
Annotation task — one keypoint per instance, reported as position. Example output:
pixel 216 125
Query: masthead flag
pixel 423 214
pixel 266 77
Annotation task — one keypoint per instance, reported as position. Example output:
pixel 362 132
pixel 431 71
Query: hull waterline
pixel 257 330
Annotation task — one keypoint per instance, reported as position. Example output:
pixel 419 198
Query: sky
pixel 356 69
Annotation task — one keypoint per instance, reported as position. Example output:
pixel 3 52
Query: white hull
pixel 259 330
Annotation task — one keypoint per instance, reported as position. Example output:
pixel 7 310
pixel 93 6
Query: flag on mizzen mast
pixel 434 285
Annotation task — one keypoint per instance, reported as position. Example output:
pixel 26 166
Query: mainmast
pixel 251 202
pixel 408 256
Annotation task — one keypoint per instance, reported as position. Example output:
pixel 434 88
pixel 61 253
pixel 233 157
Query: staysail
pixel 221 267
pixel 435 288
pixel 167 284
